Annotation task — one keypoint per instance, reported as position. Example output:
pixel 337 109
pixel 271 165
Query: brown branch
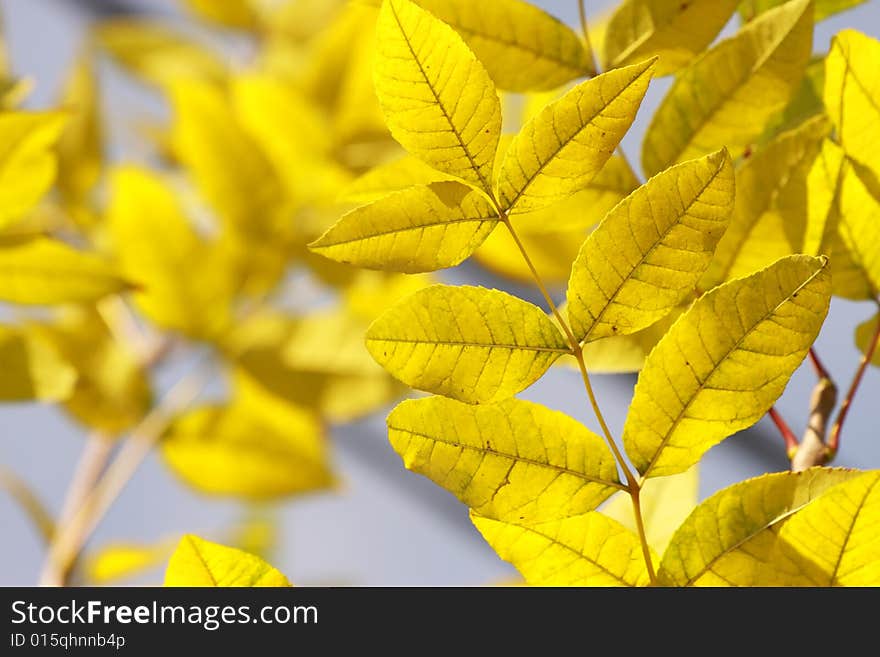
pixel 812 450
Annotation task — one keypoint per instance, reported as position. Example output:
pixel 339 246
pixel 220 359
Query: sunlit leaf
pixel 240 14
pixel 727 97
pixel 724 363
pixel 865 335
pixel 675 31
pixel 45 271
pixel 514 461
pixel 648 254
pixel 420 229
pixel 394 176
pixel 122 560
pixel 585 550
pixel 468 343
pixel 749 9
pixel 812 528
pixel 439 102
pixel 197 562
pixel 562 149
pixel 769 220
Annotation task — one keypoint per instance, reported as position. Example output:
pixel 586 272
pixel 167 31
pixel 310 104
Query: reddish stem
pixel 791 441
pixel 820 369
pixel 834 441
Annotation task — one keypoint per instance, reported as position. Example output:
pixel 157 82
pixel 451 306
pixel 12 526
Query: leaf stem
pixel 834 441
pixel 71 538
pixel 818 366
pixel 635 495
pixel 791 441
pixel 585 29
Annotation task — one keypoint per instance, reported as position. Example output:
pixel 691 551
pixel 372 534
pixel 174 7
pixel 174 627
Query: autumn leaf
pixel 32 368
pixel 724 363
pixel 197 562
pixel 468 343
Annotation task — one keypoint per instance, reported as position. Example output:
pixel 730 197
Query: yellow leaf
pixel 852 95
pixel 44 271
pixel 439 102
pixel 81 147
pixel 551 252
pixel 825 225
pixel 859 225
pixel 318 361
pixel 665 502
pixel 864 335
pixel 727 97
pixel 240 14
pixel 421 229
pixel 157 55
pixel 257 447
pixel 120 561
pixel 32 368
pixel 622 354
pixel 673 30
pixel 27 162
pixel 468 343
pixel 112 391
pixel 372 292
pixel 724 363
pixel 784 529
pixel 522 47
pixel 586 550
pixel 154 243
pixel 294 136
pixel 197 562
pixel 514 460
pixel 562 149
pixel 227 167
pixel 385 179
pixel 805 103
pixel 824 8
pixel 650 251
pixel 769 219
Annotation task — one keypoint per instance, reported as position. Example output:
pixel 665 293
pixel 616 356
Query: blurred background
pixel 384 525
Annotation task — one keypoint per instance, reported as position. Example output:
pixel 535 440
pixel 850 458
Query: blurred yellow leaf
pixel 44 271
pixel 28 164
pixel 155 244
pixel 197 562
pixel 256 446
pixel 112 391
pixel 748 9
pixel 240 14
pixel 727 97
pixel 676 31
pixel 157 54
pixel 865 334
pixel 120 561
pixel 32 368
pixel 385 179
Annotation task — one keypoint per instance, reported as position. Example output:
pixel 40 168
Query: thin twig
pixel 791 441
pixel 818 366
pixel 585 29
pixel 834 441
pixel 31 504
pixel 73 536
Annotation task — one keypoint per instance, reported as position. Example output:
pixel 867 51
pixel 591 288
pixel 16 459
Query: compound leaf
pixel 673 30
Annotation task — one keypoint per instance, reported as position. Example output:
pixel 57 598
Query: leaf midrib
pixel 521 459
pixel 493 218
pixel 453 128
pixel 718 364
pixel 484 345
